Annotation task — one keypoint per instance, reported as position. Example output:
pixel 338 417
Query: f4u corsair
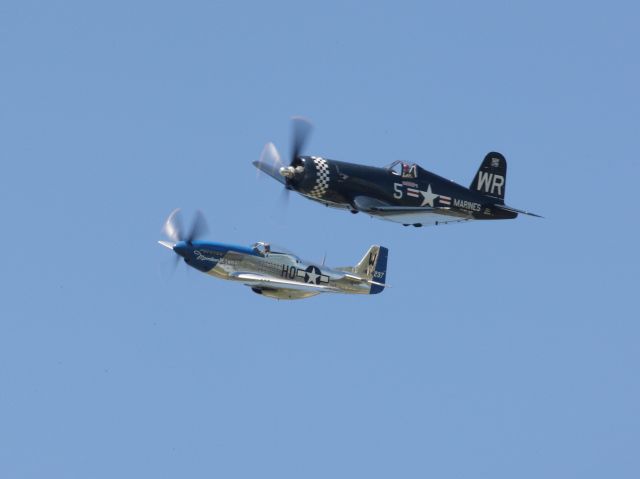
pixel 400 192
pixel 273 272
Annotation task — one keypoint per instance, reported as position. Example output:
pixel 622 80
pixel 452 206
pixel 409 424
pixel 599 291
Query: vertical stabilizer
pixel 373 266
pixel 491 178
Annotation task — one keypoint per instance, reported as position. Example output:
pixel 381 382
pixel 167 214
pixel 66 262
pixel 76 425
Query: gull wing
pixel 409 214
pixel 419 214
pixel 258 280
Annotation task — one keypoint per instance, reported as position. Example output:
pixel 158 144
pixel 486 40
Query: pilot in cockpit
pixel 408 171
pixel 262 248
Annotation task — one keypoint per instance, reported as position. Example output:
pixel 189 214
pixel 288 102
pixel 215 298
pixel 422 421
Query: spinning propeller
pixel 271 163
pixel 174 231
pixel 301 129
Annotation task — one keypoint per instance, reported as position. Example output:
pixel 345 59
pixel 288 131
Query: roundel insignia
pixel 312 275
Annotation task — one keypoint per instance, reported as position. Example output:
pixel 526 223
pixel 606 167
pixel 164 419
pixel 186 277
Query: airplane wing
pixel 413 209
pixel 258 280
pixel 424 215
pixel 419 215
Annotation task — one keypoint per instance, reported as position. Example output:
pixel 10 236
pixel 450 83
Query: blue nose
pixel 182 249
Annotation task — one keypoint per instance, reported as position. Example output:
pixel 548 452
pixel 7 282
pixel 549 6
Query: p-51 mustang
pixel 272 272
pixel 400 192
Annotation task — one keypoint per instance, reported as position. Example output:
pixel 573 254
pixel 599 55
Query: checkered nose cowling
pixel 318 184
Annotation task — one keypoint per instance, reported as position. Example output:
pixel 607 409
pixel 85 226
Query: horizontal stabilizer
pixel 360 279
pixel 515 210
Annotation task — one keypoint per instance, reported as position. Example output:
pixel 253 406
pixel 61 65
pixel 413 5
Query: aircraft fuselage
pixel 229 262
pixel 362 188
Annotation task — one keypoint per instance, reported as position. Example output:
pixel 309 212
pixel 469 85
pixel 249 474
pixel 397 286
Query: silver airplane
pixel 271 271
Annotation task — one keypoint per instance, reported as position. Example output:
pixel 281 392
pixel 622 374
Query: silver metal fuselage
pixel 254 268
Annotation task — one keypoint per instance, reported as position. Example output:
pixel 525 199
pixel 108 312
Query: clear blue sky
pixel 505 349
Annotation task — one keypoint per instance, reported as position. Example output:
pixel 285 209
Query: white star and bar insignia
pixel 428 196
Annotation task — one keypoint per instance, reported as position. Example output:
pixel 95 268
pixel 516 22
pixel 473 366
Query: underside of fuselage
pixel 283 293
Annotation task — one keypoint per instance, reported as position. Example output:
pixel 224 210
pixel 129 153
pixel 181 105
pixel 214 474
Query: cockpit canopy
pixel 405 170
pixel 262 248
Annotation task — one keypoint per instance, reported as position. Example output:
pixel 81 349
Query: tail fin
pixel 491 178
pixel 373 266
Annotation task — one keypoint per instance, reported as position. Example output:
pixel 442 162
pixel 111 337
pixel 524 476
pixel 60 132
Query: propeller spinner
pixel 270 161
pixel 173 229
